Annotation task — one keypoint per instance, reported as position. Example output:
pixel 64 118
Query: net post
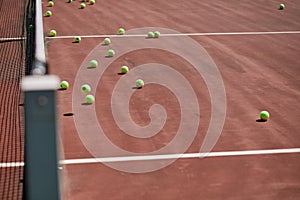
pixel 41 153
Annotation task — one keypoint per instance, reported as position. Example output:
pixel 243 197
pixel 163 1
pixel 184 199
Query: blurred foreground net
pixel 16 59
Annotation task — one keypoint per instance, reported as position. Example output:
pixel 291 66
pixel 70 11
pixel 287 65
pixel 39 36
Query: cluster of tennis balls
pixel 124 69
pixel 48 13
pixel 53 33
pixel 106 41
pixel 154 34
pixel 89 98
pixel 82 5
pixel 111 53
pixel 85 88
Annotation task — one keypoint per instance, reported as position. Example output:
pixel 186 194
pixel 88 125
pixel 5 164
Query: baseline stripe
pixel 166 156
pixel 12 164
pixel 183 34
pixel 177 156
pixel 12 39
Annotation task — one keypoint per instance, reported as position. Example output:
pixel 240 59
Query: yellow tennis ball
pixel 139 83
pixel 264 115
pixel 52 33
pixel 156 34
pixel 77 39
pixel 48 13
pixel 82 5
pixel 150 34
pixel 89 99
pixel 106 41
pixel 64 85
pixel 86 88
pixel 124 69
pixel 111 53
pixel 50 3
pixel 121 31
pixel 93 63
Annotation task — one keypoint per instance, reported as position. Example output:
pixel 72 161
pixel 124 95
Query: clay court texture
pixel 193 131
pixel 258 72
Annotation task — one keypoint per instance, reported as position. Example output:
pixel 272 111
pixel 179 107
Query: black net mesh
pixel 16 58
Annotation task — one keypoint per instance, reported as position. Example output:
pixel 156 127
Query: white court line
pixel 12 39
pixel 164 157
pixel 183 34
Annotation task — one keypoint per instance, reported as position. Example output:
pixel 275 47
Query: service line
pixel 183 34
pixel 165 156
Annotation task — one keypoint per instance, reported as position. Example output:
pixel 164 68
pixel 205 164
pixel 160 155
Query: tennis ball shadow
pixel 121 73
pixel 89 67
pixel 104 44
pixel 108 56
pixel 62 89
pixel 21 104
pixel 68 114
pixel 86 104
pixel 136 88
pixel 261 120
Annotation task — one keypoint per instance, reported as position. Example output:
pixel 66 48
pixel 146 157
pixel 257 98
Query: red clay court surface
pixel 259 71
